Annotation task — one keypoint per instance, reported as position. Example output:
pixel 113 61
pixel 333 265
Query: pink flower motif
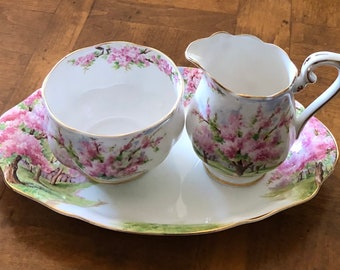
pixel 191 77
pixel 266 154
pixel 229 150
pixel 86 60
pixel 208 110
pixel 30 100
pixel 235 124
pixel 127 146
pixel 130 170
pixel 145 142
pixel 89 149
pixel 24 134
pixel 315 144
pixel 15 116
pixel 227 135
pixel 16 142
pixel 162 64
pixel 126 57
pixel 105 162
pixel 243 145
pixel 157 141
pixel 204 139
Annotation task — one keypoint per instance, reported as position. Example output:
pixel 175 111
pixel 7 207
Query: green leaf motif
pixel 116 65
pixel 23 106
pixel 256 136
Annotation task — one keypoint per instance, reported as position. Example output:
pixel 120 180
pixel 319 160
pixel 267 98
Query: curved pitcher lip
pixel 276 94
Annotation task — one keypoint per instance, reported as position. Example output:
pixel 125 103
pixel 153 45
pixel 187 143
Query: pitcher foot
pixel 222 178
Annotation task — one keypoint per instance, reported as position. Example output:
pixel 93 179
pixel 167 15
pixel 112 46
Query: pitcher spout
pixel 243 64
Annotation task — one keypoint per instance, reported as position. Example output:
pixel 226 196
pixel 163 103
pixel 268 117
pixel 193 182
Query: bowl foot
pixel 116 180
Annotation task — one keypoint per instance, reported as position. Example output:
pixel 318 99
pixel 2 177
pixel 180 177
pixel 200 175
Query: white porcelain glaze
pixel 114 110
pixel 242 120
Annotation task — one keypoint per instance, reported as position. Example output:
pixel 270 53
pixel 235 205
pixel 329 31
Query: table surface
pixel 35 34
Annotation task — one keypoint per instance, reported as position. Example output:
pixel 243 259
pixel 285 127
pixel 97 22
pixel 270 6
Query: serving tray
pixel 176 198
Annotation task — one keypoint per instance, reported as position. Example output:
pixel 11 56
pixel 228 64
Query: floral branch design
pixel 23 142
pixel 242 146
pixel 126 57
pixel 302 164
pixel 191 77
pixel 101 161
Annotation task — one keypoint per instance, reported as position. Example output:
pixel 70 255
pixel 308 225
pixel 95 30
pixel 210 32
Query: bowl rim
pixel 179 85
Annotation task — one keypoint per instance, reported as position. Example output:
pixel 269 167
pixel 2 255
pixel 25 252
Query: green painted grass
pixel 171 229
pixel 44 192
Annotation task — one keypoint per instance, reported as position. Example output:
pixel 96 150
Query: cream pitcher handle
pixel 308 76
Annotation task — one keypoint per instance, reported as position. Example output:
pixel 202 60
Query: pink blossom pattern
pixel 191 77
pixel 315 148
pixel 126 57
pixel 107 162
pixel 239 146
pixel 23 139
pixel 213 85
pixel 25 123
